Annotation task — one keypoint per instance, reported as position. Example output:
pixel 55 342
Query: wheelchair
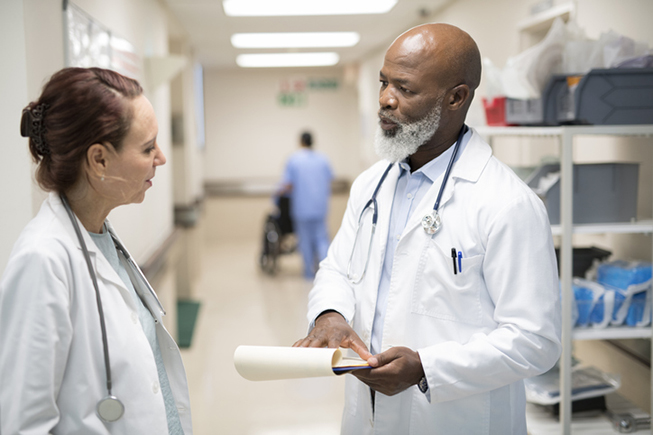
pixel 278 237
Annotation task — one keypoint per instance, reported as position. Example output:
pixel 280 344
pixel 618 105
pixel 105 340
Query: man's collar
pixel 437 166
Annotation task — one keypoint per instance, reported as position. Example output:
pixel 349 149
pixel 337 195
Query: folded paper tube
pixel 266 363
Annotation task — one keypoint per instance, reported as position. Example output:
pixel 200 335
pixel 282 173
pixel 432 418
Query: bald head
pixel 428 79
pixel 449 52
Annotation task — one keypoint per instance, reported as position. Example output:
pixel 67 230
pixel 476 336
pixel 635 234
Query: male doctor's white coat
pixel 52 370
pixel 479 332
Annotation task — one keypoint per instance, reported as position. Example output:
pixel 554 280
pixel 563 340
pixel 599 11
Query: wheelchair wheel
pixel 271 247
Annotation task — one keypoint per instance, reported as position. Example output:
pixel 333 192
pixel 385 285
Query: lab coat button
pixel 155 387
pixel 134 318
pixel 410 195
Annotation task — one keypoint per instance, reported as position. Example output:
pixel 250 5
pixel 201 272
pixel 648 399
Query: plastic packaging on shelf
pixel 586 382
pixel 591 303
pixel 631 282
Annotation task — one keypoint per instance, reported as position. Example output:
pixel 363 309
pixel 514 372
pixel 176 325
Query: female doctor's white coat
pixel 480 332
pixel 52 371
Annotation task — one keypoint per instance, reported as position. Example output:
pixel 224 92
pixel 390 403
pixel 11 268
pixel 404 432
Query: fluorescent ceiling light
pixel 259 8
pixel 268 60
pixel 295 40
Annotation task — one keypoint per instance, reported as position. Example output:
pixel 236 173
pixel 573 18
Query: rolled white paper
pixel 265 363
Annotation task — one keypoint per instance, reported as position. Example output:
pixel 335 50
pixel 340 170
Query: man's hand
pixel 332 330
pixel 394 370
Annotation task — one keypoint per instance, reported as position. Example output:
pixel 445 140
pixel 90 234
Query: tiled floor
pixel 240 305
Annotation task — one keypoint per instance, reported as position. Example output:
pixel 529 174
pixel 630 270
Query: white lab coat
pixel 52 371
pixel 479 333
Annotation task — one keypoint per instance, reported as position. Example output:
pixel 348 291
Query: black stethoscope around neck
pixel 109 408
pixel 431 222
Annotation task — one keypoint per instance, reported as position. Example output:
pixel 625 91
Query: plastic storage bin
pixel 495 111
pixel 604 192
pixel 540 111
pixel 614 96
pixel 524 112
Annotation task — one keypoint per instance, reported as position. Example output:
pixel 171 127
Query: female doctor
pixel 82 346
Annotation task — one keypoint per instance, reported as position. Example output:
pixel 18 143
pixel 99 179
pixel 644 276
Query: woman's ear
pixel 97 159
pixel 458 97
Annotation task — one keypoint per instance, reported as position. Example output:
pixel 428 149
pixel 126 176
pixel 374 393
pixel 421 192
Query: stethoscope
pixel 110 408
pixel 431 222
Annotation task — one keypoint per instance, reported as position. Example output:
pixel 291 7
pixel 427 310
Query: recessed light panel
pixel 295 40
pixel 259 8
pixel 273 60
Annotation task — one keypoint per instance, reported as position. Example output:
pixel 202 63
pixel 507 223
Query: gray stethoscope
pixel 431 222
pixel 110 408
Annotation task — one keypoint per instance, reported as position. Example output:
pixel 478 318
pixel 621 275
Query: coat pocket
pixel 441 293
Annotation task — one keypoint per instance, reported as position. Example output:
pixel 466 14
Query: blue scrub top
pixel 310 175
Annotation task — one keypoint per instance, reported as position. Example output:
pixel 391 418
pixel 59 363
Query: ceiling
pixel 210 30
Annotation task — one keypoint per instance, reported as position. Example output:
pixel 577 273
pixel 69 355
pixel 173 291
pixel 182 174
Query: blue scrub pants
pixel 313 242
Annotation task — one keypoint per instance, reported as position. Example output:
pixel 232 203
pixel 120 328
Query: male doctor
pixel 454 315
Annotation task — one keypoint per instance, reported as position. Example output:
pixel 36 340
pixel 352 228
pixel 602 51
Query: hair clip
pixel 31 125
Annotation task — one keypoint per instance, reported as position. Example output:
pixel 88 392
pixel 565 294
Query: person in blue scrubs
pixel 307 180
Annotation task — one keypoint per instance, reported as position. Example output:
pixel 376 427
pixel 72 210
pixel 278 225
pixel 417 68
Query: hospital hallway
pixel 240 305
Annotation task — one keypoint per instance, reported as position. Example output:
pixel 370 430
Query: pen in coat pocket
pixel 460 261
pixel 453 257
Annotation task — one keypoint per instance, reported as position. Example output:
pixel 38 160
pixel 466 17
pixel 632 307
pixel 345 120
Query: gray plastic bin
pixel 616 96
pixel 540 111
pixel 524 112
pixel 603 192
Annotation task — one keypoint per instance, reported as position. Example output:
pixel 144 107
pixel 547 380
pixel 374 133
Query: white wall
pixel 368 105
pixel 187 165
pixel 44 55
pixel 628 17
pixel 15 166
pixel 249 136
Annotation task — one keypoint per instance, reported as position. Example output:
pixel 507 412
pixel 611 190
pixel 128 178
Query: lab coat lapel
pixel 148 297
pixel 469 167
pixel 426 204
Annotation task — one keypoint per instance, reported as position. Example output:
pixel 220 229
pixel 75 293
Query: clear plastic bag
pixel 586 382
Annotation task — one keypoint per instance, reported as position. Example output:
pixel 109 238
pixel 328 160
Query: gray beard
pixel 408 137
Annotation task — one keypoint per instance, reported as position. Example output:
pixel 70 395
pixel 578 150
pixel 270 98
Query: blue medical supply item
pixel 584 298
pixel 637 310
pixel 632 284
pixel 591 303
pixel 601 314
